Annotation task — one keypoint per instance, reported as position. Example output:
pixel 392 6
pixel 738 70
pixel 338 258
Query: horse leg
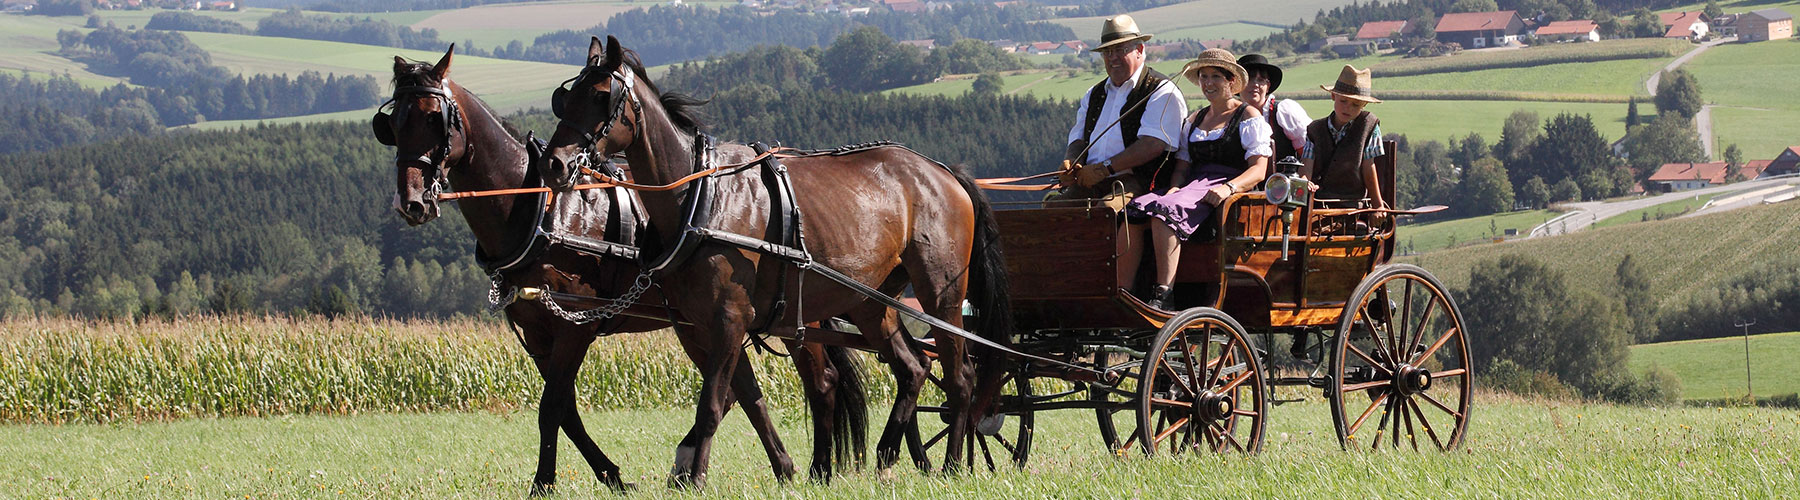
pixel 809 361
pixel 750 396
pixel 604 468
pixel 723 342
pixel 557 402
pixel 883 330
pixel 940 290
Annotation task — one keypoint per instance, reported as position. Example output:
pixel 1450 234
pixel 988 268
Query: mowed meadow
pixel 472 432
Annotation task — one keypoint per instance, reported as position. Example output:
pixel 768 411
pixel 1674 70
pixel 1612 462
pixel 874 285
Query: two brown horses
pixel 442 132
pixel 886 217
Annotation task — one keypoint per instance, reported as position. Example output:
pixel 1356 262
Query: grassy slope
pixel 1730 6
pixel 1688 254
pixel 1666 209
pixel 1438 235
pixel 1746 79
pixel 1714 368
pixel 1549 449
pixel 1227 31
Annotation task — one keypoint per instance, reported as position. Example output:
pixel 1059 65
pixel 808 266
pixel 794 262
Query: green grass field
pixel 1741 6
pixel 1669 209
pixel 1423 238
pixel 1714 368
pixel 1225 31
pixel 1537 449
pixel 1743 80
pixel 1199 13
pixel 1687 254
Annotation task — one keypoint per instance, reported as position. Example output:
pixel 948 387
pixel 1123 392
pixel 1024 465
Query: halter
pixel 452 121
pixel 621 77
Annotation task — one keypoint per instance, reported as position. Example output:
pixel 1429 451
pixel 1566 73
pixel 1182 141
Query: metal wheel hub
pixel 1211 406
pixel 1412 380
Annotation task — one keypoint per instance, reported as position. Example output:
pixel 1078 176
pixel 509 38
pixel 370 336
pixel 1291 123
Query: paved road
pixel 1703 120
pixel 1584 214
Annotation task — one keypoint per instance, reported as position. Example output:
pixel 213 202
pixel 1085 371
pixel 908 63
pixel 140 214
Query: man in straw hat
pixel 1287 119
pixel 1341 147
pixel 1126 126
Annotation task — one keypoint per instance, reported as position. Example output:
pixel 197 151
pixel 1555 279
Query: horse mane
pixel 682 108
pixel 416 73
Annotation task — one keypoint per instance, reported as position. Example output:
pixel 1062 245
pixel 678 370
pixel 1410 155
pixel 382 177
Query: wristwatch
pixel 1108 164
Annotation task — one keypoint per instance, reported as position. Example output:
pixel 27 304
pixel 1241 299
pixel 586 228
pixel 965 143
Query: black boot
pixel 1161 297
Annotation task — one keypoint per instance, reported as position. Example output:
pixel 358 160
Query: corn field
pixel 60 370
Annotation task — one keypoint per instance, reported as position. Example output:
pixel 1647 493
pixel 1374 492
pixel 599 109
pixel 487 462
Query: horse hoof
pixel 692 482
pixel 991 425
pixel 540 490
pixel 615 484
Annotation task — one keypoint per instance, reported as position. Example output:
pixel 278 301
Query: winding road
pixel 1703 120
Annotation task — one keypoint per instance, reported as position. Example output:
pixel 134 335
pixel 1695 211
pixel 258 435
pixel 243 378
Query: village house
pixel 926 44
pixel 1685 25
pixel 1382 33
pixel 1764 25
pixel 1343 46
pixel 1685 176
pixel 1476 30
pixel 1568 31
pixel 1788 162
pixel 20 5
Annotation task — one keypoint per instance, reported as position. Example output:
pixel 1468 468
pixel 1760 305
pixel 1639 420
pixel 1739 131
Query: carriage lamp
pixel 1289 190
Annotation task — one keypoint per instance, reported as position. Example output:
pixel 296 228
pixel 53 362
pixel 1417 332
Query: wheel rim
pixel 1400 375
pixel 1202 388
pixel 1011 444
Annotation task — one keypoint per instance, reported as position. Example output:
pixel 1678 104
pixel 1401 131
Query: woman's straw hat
pixel 1354 84
pixel 1216 58
pixel 1119 30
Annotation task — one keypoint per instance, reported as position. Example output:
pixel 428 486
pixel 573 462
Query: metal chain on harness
pixel 609 310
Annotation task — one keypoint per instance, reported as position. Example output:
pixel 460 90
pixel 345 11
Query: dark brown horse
pixel 885 216
pixel 443 133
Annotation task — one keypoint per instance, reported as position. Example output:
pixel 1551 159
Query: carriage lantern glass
pixel 1287 187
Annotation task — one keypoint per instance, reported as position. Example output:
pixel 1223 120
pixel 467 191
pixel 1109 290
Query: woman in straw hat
pixel 1341 148
pixel 1224 150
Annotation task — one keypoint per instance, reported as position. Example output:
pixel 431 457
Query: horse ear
pixel 399 64
pixel 595 50
pixel 615 53
pixel 442 69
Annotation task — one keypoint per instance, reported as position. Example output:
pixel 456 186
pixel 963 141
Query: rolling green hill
pixel 1200 13
pixel 1714 368
pixel 1739 80
pixel 1422 238
pixel 1686 254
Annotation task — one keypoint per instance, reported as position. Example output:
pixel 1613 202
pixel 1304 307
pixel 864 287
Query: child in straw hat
pixel 1341 147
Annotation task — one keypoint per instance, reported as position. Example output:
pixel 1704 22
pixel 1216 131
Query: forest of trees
pixel 193 89
pixel 292 23
pixel 178 20
pixel 863 60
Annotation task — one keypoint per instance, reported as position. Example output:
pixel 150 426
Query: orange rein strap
pixel 1006 183
pixel 606 181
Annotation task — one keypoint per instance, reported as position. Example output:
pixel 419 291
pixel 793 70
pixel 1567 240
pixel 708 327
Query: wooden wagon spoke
pixel 1225 356
pixel 1011 450
pixel 1434 402
pixel 1365 356
pixel 1419 333
pixel 1234 383
pixel 1187 357
pixel 1367 385
pixel 1405 314
pixel 986 454
pixel 1414 405
pixel 1164 435
pixel 1452 332
pixel 1374 333
pixel 1387 412
pixel 936 437
pixel 1225 435
pixel 1171 402
pixel 1244 412
pixel 1458 372
pixel 1365 413
pixel 1411 435
pixel 1175 377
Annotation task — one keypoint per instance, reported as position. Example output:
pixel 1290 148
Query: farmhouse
pixel 1687 25
pixel 1480 29
pixel 1685 176
pixel 1381 32
pixel 1569 31
pixel 1788 162
pixel 1766 24
pixel 20 5
pixel 1343 46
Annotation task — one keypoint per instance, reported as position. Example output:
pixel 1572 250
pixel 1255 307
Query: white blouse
pixel 1253 133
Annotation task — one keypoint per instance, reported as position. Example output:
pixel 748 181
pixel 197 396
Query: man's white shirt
pixel 1163 113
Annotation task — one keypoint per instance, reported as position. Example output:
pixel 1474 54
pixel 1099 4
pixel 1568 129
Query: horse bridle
pixel 452 121
pixel 621 77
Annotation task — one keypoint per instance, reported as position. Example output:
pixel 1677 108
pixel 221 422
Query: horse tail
pixel 988 289
pixel 851 415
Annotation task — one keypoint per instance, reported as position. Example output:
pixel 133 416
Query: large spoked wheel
pixel 1010 442
pixel 1400 373
pixel 1202 387
pixel 1117 423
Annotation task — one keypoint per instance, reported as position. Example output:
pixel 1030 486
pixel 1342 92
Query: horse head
pixel 599 114
pixel 424 124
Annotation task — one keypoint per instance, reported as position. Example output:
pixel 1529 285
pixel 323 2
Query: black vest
pixel 1130 120
pixel 1227 150
pixel 1339 176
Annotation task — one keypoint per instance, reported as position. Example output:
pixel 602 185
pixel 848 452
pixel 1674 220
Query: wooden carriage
pixel 1383 341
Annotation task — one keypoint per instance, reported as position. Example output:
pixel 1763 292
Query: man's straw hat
pixel 1354 84
pixel 1217 58
pixel 1119 30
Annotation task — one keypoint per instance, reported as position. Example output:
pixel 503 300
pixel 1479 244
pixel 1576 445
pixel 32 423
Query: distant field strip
pixel 1199 13
pixel 1637 48
pixel 1714 368
pixel 1755 83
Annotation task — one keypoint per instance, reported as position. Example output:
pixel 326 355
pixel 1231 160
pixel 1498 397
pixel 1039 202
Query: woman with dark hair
pixel 1286 118
pixel 1224 150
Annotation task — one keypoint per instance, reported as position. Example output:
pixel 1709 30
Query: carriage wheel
pixel 1012 442
pixel 1400 372
pixel 1202 387
pixel 1113 404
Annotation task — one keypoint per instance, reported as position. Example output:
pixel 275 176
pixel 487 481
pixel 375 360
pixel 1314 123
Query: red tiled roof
pixel 1712 173
pixel 1380 29
pixel 1681 24
pixel 1078 45
pixel 1475 21
pixel 1581 27
pixel 1045 45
